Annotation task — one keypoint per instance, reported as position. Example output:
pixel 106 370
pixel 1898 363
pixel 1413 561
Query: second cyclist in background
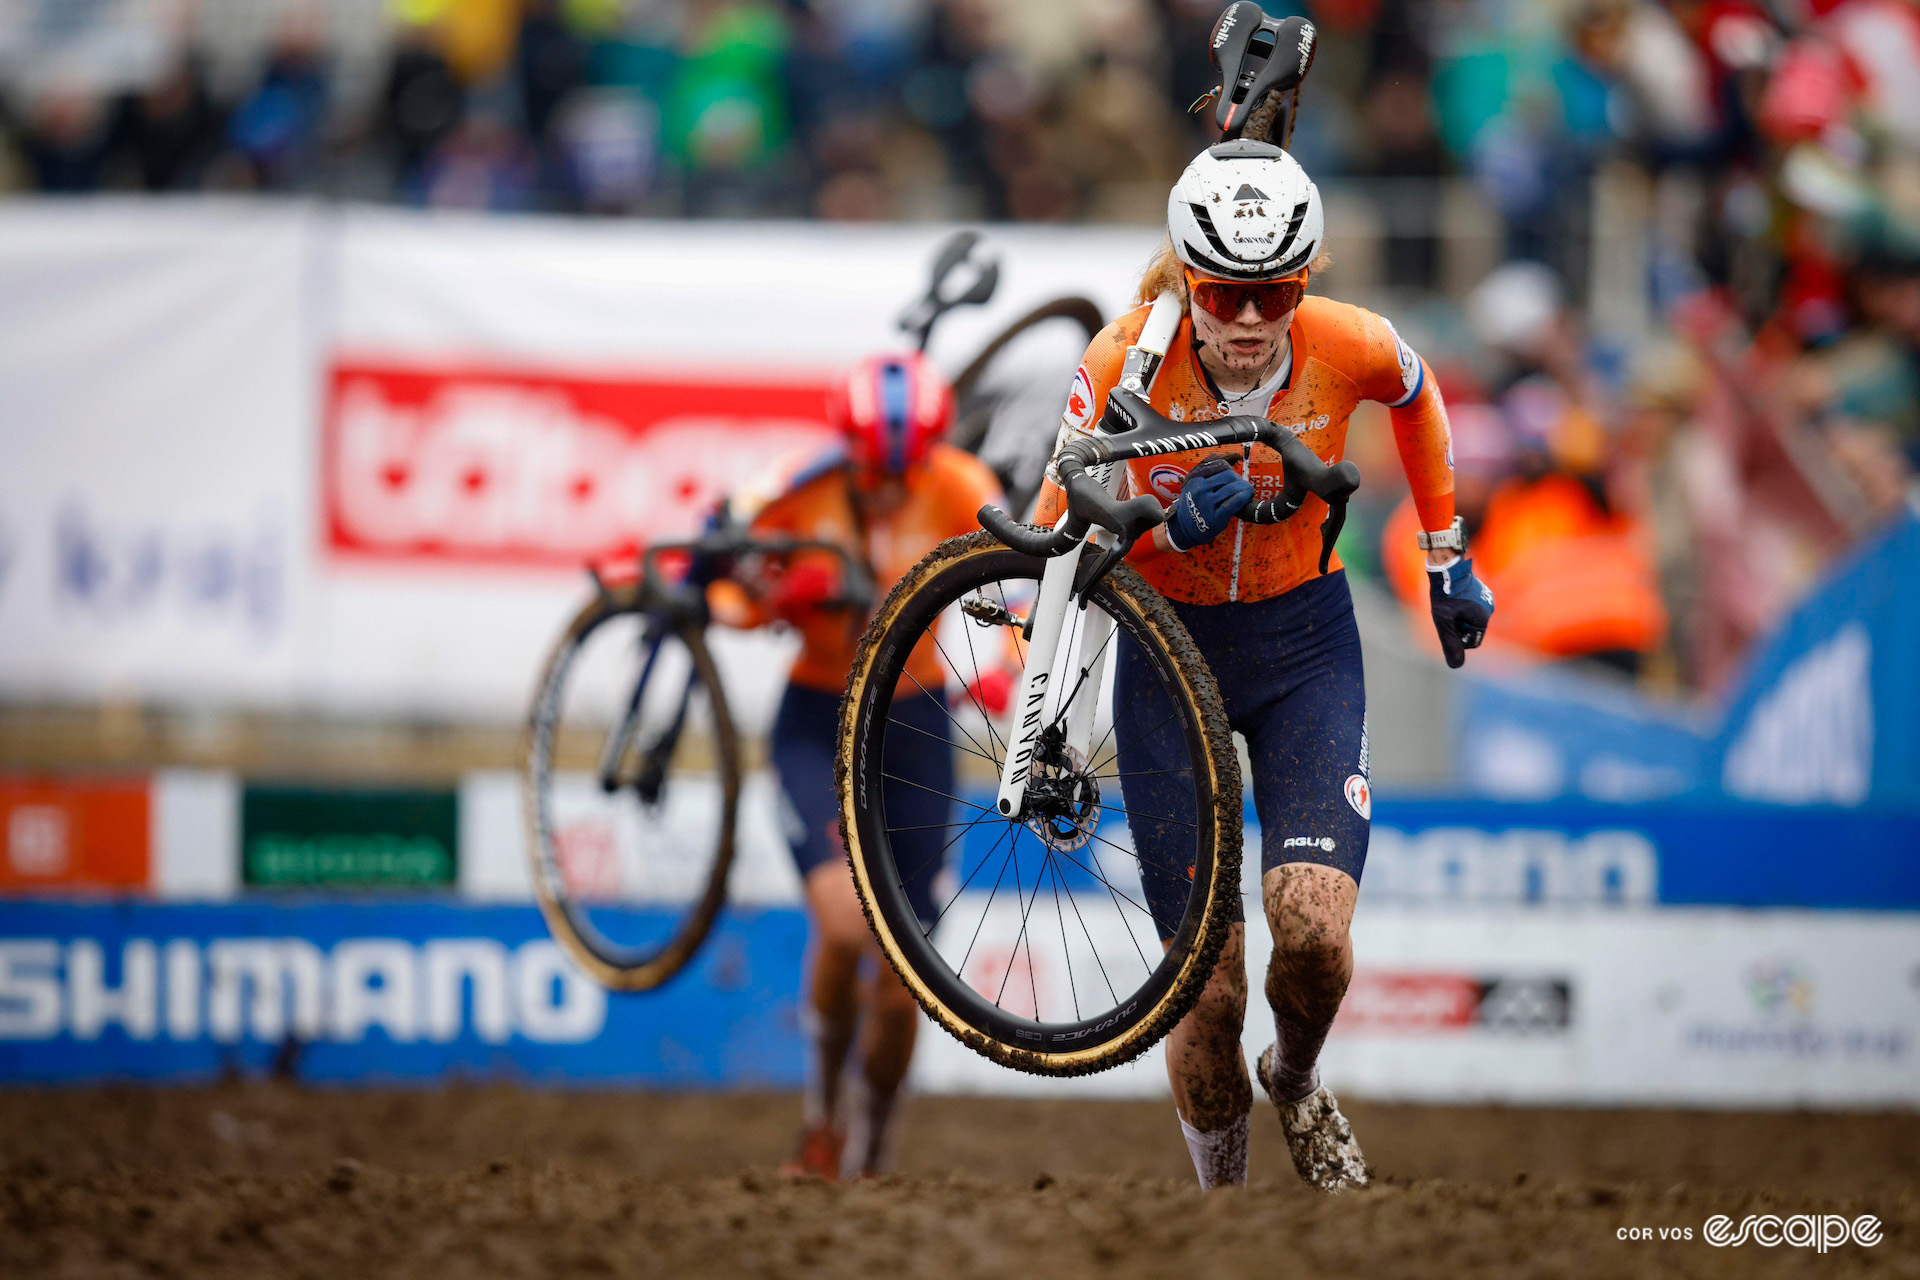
pixel 889 492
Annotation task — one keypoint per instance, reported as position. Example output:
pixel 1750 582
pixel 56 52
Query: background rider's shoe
pixel 818 1155
pixel 1319 1138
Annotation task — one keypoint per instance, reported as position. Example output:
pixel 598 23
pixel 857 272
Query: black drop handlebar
pixel 1132 429
pixel 715 552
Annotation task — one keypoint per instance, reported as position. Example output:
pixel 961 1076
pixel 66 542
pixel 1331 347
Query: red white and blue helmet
pixel 892 410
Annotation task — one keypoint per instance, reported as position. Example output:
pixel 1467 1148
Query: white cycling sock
pixel 826 1062
pixel 1220 1157
pixel 869 1127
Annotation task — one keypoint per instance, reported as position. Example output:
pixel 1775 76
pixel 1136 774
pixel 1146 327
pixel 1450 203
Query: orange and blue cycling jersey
pixel 1341 355
pixel 813 498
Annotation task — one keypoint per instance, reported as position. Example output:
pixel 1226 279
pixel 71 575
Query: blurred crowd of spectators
pixel 1653 497
pixel 1655 500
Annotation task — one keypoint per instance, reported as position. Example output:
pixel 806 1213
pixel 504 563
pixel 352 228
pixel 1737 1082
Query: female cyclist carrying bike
pixel 1245 233
pixel 889 492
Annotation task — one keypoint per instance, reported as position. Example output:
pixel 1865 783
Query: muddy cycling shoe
pixel 818 1155
pixel 1319 1138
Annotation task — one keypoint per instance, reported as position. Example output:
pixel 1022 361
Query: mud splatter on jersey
pixel 1342 355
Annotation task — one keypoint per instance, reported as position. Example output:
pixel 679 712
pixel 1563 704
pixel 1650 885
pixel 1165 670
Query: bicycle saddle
pixel 1256 55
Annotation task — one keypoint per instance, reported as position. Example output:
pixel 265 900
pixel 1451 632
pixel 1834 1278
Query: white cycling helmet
pixel 1245 210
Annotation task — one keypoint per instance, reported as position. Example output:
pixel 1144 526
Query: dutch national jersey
pixel 1341 356
pixel 810 499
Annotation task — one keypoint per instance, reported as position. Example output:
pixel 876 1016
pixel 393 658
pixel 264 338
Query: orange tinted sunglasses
pixel 1224 299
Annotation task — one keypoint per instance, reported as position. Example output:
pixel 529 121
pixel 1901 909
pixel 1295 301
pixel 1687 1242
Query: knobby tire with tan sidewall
pixel 1110 1037
pixel 613 967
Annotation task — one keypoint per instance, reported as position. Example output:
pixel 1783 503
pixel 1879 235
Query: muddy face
pixel 1242 352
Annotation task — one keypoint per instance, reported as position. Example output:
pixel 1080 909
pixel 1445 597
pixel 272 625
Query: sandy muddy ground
pixel 268 1180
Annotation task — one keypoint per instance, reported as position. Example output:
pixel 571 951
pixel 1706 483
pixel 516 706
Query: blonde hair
pixel 1166 272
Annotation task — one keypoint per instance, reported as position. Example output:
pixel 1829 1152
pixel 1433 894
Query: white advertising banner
pixel 156 437
pixel 1628 1006
pixel 354 461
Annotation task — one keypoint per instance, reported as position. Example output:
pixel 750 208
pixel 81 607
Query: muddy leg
pixel 1310 908
pixel 1208 1071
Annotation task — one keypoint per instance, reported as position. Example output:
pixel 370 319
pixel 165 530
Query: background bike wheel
pixel 1045 953
pixel 630 883
pixel 1008 398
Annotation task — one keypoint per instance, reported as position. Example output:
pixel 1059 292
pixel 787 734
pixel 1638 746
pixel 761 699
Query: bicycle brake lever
pixel 1340 482
pixel 1330 531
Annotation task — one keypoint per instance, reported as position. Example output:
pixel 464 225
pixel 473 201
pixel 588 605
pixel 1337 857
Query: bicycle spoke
pixel 935 826
pixel 948 741
pixel 1025 907
pixel 1143 861
pixel 1149 817
pixel 928 933
pixel 1103 880
pixel 894 777
pixel 1108 978
pixel 1173 715
pixel 963 831
pixel 1066 953
pixel 961 972
pixel 1018 638
pixel 966 629
pixel 941 702
pixel 1117 895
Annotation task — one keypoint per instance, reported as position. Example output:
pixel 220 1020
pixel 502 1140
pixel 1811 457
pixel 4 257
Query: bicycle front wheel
pixel 1073 938
pixel 632 787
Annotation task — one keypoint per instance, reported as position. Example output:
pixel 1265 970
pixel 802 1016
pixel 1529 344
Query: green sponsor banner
pixel 302 837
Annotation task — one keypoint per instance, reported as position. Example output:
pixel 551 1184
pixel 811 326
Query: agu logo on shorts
pixel 1166 481
pixel 1360 796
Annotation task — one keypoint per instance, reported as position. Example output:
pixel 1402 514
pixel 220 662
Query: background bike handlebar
pixel 1132 429
pixel 714 551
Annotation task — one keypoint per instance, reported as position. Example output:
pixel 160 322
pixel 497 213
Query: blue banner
pixel 1547 732
pixel 1827 711
pixel 1829 708
pixel 1571 853
pixel 332 990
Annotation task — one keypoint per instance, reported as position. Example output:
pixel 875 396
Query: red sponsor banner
pixel 62 833
pixel 1387 1002
pixel 482 466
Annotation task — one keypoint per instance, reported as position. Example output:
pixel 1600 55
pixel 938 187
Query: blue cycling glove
pixel 1462 607
pixel 1213 494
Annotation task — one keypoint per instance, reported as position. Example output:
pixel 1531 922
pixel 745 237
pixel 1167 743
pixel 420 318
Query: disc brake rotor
pixel 1063 799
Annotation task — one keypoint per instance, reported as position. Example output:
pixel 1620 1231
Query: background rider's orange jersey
pixel 813 499
pixel 1341 356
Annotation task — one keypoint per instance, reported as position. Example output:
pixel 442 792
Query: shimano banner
pixel 339 991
